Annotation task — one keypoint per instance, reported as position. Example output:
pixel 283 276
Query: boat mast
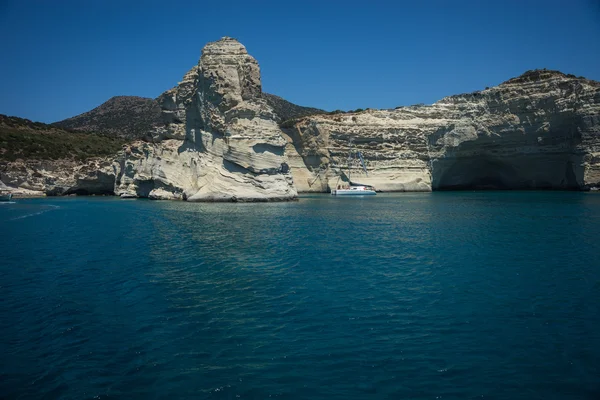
pixel 362 162
pixel 350 145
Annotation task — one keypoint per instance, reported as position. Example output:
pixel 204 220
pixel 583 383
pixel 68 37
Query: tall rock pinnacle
pixel 229 146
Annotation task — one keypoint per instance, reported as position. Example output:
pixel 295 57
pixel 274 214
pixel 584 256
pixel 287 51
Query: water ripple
pixel 402 296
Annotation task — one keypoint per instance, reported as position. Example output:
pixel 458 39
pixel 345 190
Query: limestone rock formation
pixel 212 138
pixel 59 177
pixel 220 140
pixel 537 131
pixel 38 159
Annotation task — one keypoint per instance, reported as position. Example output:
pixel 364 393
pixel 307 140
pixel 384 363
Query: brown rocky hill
pixel 132 117
pixel 129 117
pixel 286 110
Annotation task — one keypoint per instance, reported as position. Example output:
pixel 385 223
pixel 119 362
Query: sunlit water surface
pixel 404 296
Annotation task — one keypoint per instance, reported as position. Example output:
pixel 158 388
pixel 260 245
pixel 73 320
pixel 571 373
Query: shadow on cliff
pixel 519 172
pixel 544 155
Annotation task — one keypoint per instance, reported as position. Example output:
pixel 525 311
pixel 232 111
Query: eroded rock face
pixel 217 140
pixel 60 177
pixel 537 131
pixel 220 140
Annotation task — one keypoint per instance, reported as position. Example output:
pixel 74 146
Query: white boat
pixel 5 196
pixel 353 188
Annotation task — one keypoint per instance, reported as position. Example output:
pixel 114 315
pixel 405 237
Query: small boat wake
pixel 50 208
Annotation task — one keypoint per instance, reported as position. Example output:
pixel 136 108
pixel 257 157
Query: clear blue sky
pixel 62 58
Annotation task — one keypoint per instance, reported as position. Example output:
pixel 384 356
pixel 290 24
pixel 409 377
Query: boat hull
pixel 5 197
pixel 349 192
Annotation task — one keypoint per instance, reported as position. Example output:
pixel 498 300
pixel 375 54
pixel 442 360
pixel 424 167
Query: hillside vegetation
pixel 23 139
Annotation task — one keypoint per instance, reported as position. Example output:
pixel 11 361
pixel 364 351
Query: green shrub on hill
pixel 27 140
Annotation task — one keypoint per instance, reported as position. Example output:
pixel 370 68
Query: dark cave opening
pixel 515 173
pixel 86 192
pixel 479 174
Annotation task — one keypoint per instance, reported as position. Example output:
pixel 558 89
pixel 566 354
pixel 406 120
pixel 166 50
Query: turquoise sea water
pixel 402 296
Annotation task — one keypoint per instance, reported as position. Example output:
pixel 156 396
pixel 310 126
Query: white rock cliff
pixel 220 141
pixel 538 131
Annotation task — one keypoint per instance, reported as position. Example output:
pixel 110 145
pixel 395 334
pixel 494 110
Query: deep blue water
pixel 408 296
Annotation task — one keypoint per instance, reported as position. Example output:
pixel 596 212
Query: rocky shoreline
pixel 216 137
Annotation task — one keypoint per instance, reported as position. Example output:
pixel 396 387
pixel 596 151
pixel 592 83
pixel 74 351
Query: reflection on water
pixel 447 295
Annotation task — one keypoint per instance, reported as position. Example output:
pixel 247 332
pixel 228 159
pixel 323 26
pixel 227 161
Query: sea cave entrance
pixel 477 174
pixel 524 171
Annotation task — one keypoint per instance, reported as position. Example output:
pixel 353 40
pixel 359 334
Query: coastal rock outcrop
pixel 33 178
pixel 213 138
pixel 537 131
pixel 220 140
